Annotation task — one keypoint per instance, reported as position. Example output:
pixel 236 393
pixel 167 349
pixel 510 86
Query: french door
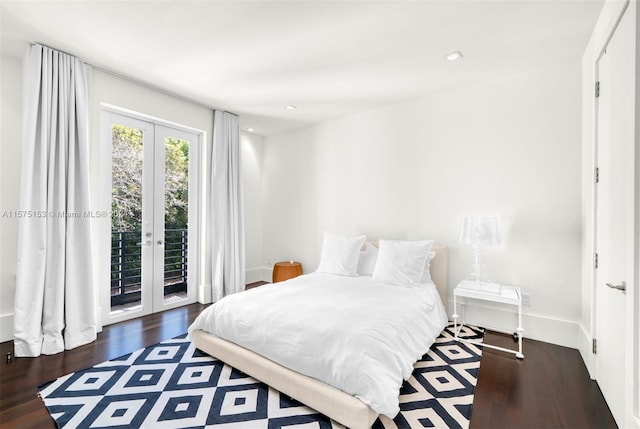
pixel 154 216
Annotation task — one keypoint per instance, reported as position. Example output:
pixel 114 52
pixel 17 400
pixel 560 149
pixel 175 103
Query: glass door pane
pixel 176 218
pixel 126 218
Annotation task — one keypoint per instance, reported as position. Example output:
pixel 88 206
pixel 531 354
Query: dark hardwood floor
pixel 550 388
pixel 20 406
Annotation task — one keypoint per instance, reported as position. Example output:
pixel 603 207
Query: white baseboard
pixel 585 346
pixel 537 327
pixel 6 327
pixel 260 274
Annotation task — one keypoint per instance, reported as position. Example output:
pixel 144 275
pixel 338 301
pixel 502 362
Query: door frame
pixel 103 232
pixel 607 25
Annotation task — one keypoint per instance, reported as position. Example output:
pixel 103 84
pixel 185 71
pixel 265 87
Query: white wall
pixel 10 169
pixel 509 148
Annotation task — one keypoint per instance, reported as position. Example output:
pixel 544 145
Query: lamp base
pixel 478 274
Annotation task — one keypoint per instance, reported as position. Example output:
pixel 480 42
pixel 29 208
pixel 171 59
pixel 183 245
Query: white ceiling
pixel 329 58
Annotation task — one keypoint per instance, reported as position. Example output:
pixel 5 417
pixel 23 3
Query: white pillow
pixel 402 262
pixel 367 261
pixel 340 254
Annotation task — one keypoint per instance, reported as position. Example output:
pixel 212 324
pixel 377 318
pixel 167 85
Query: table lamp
pixel 479 232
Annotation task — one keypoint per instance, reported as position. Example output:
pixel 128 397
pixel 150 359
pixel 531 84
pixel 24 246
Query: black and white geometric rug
pixel 174 385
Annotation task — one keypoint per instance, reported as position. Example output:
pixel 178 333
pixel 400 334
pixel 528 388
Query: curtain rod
pixel 135 81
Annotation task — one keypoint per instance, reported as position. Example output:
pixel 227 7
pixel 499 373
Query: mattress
pixel 359 336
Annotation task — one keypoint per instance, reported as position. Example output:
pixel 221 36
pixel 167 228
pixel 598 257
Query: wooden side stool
pixel 286 270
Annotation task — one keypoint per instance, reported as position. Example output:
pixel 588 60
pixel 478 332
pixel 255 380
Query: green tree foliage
pixel 176 186
pixel 126 190
pixel 126 182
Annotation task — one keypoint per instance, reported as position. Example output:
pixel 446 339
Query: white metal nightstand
pixel 488 292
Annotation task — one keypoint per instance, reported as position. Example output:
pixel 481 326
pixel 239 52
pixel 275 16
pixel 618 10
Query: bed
pixel 352 411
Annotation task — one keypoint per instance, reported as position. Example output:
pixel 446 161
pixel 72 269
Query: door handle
pixel 622 286
pixel 146 243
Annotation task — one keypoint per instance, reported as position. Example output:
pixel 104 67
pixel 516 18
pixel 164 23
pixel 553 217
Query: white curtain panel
pixel 55 303
pixel 227 217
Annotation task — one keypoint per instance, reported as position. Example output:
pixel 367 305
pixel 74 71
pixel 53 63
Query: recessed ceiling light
pixel 455 55
pixel 291 107
pixel 251 129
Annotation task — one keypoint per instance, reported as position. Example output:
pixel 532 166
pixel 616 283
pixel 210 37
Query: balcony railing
pixel 126 265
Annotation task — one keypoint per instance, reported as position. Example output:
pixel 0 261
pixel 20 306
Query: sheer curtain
pixel 54 302
pixel 227 217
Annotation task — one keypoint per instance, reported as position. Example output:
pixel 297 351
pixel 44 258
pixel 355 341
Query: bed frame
pixel 334 403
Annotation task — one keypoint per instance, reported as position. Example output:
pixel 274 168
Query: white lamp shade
pixel 482 231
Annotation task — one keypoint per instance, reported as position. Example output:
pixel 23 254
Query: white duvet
pixel 359 336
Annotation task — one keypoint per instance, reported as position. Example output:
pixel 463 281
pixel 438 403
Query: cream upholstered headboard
pixel 439 270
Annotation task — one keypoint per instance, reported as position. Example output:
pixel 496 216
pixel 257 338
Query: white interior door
pixel 615 219
pixel 153 189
